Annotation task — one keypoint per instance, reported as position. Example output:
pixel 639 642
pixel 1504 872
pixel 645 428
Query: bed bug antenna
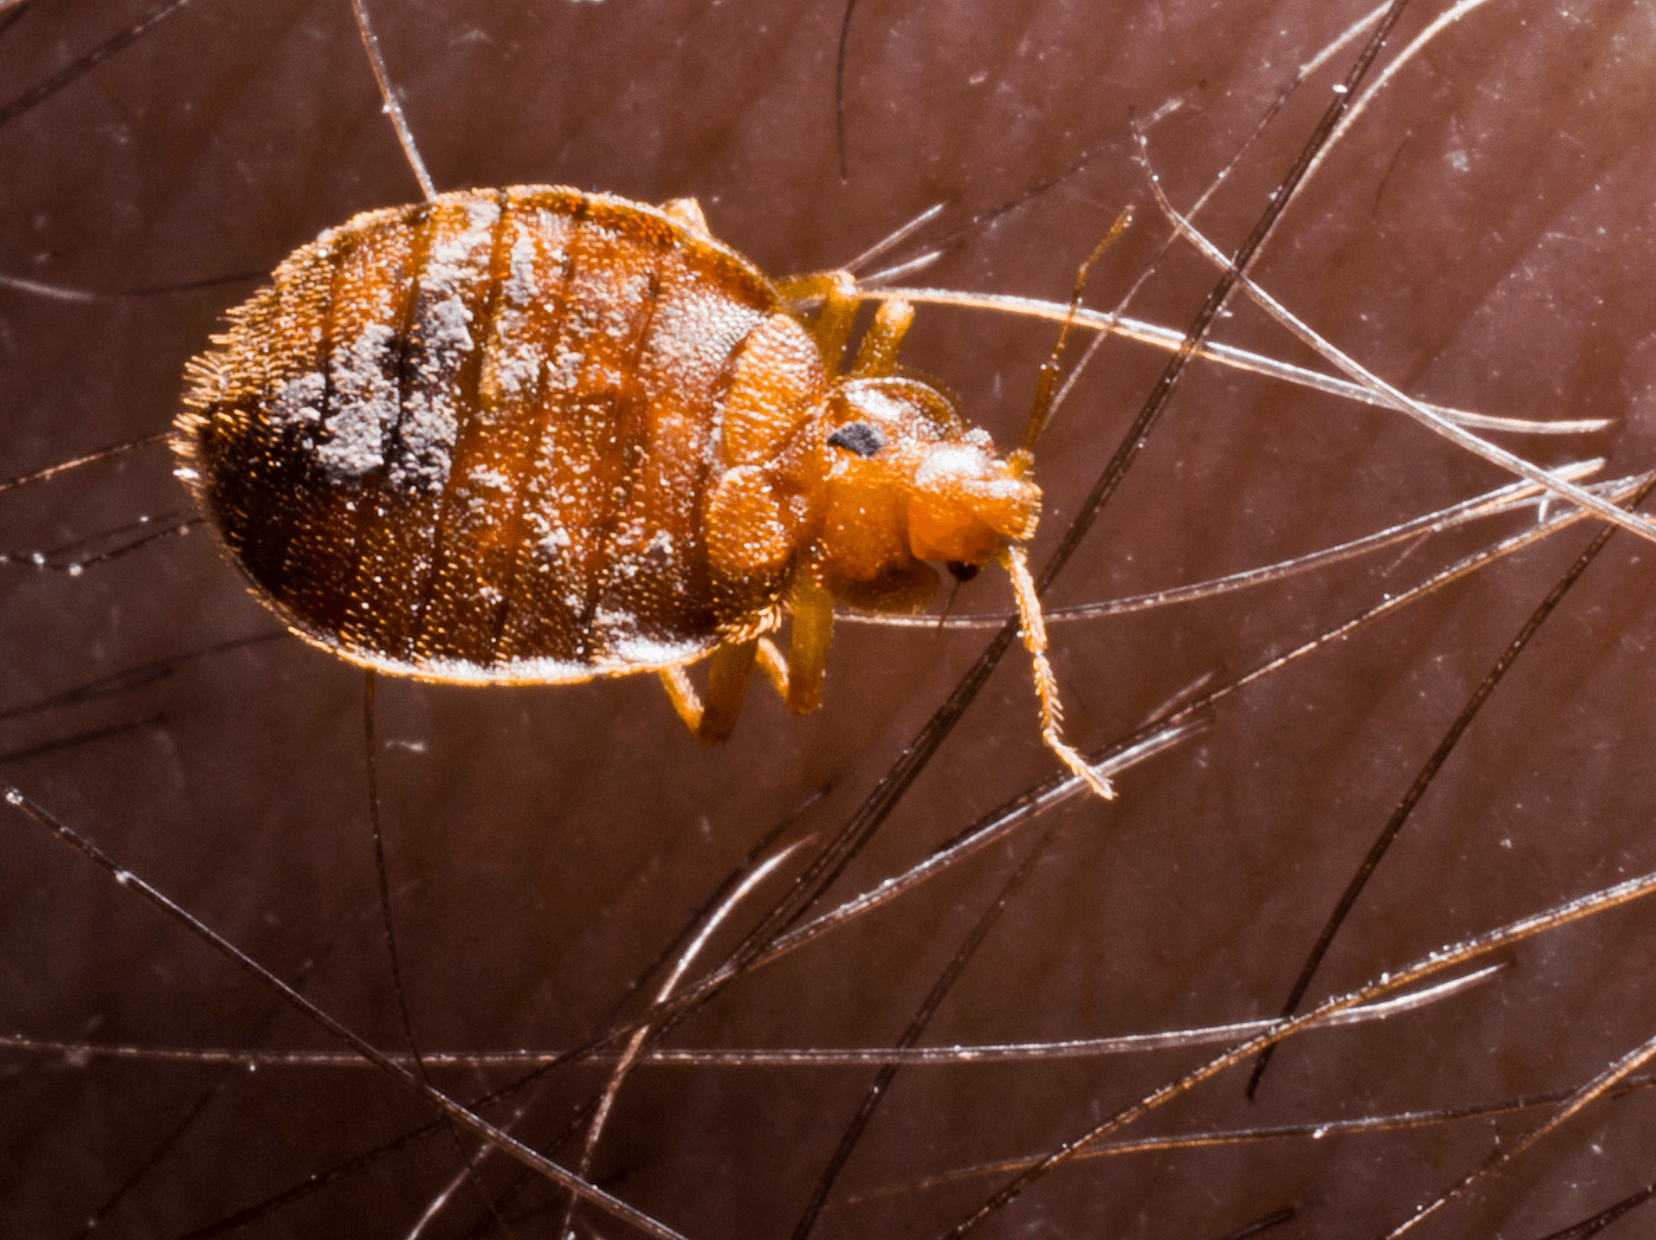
pixel 1047 381
pixel 1030 618
pixel 1033 625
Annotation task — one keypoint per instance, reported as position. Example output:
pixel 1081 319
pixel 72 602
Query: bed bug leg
pixel 809 633
pixel 796 676
pixel 1046 382
pixel 687 211
pixel 1012 557
pixel 837 291
pixel 713 719
pixel 1033 624
pixel 774 664
pixel 684 697
pixel 877 354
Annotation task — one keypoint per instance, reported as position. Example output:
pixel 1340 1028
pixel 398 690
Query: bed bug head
pixel 905 480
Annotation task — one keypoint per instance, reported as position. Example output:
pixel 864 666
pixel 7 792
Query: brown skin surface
pixel 1480 238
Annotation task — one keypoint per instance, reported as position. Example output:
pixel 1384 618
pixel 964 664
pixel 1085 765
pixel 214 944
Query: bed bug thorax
pixel 535 435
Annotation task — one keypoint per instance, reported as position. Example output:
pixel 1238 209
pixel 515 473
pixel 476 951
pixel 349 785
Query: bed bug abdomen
pixel 470 440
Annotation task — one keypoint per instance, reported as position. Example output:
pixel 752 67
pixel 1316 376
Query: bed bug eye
pixel 961 571
pixel 863 438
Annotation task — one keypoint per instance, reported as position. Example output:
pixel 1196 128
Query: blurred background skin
pixel 1481 239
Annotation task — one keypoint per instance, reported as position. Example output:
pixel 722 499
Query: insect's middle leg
pixel 810 632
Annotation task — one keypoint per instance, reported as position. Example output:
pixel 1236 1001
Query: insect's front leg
pixel 877 354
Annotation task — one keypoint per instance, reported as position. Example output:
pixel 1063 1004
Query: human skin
pixel 1479 239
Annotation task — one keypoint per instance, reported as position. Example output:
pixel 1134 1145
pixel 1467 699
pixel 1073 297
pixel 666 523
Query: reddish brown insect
pixel 534 435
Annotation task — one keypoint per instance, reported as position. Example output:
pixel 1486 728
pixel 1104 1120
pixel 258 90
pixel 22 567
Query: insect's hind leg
pixel 713 720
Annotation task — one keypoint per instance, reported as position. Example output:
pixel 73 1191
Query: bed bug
pixel 536 435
